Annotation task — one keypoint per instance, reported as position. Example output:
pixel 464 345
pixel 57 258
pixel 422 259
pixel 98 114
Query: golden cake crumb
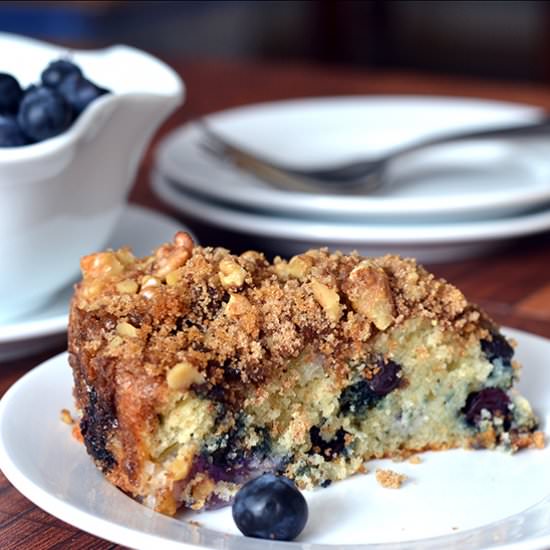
pixel 415 459
pixel 390 479
pixel 66 417
pixel 538 440
pixel 77 434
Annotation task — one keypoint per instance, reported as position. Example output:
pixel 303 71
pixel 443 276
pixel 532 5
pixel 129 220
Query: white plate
pixel 436 242
pixel 481 180
pixel 140 228
pixel 466 500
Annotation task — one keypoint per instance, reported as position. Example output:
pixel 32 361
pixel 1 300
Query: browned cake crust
pixel 233 322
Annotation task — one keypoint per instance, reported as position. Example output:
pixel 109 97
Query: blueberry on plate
pixel 43 113
pixel 10 94
pixel 57 71
pixel 270 507
pixel 79 92
pixel 10 133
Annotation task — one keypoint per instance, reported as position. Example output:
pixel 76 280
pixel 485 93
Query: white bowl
pixel 61 198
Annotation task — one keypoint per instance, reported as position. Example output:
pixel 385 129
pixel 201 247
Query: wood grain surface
pixel 512 285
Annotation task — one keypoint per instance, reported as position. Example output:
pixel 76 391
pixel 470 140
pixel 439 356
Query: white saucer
pixel 458 499
pixel 481 180
pixel 435 242
pixel 140 228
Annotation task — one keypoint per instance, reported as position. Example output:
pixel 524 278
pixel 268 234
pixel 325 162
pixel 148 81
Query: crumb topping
pixel 228 316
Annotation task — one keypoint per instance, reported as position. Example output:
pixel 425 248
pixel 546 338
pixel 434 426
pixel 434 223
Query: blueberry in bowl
pixel 47 109
pixel 79 92
pixel 56 72
pixel 10 94
pixel 43 113
pixel 10 133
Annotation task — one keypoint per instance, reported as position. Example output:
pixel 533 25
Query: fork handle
pixel 522 130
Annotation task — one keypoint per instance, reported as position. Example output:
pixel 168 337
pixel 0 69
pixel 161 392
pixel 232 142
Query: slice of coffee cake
pixel 196 369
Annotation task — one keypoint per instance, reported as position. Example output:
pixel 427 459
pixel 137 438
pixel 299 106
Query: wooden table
pixel 513 286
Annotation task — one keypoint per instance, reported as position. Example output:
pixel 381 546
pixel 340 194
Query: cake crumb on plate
pixel 66 417
pixel 415 459
pixel 538 439
pixel 390 479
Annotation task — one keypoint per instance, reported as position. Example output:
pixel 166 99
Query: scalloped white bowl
pixel 61 198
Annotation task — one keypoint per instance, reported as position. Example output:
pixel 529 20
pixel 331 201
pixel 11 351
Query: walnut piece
pixel 231 274
pixel 182 375
pixel 127 287
pixel 149 284
pixel 369 291
pixel 299 266
pixel 328 298
pixel 101 264
pixel 281 268
pixel 126 329
pixel 172 256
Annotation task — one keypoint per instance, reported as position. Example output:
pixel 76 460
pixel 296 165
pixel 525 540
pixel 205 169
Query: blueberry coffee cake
pixel 196 370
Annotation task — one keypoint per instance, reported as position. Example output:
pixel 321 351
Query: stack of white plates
pixel 443 204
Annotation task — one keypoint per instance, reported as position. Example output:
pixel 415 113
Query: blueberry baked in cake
pixel 196 369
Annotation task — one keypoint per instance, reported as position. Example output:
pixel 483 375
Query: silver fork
pixel 360 175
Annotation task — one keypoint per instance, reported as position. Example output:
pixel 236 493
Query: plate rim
pixel 121 534
pixel 333 232
pixel 278 200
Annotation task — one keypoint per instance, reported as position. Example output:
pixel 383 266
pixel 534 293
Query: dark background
pixel 508 40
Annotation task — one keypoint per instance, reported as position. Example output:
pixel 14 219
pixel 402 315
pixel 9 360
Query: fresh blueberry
pixel 10 133
pixel 10 94
pixel 43 113
pixel 57 71
pixel 270 507
pixel 497 348
pixel 79 92
pixel 493 400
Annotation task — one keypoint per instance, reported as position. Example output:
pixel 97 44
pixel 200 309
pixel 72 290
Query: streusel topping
pixel 227 316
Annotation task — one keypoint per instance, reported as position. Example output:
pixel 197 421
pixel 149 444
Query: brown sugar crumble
pixel 241 307
pixel 390 479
